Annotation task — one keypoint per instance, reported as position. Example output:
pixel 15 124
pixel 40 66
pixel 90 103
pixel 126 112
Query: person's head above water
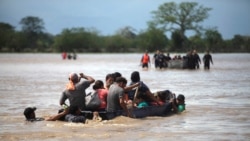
pixel 29 113
pixel 73 77
pixel 135 76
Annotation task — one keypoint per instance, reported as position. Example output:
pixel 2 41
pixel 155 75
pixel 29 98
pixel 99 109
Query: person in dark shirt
pixel 156 58
pixel 197 59
pixel 207 58
pixel 143 88
pixel 75 90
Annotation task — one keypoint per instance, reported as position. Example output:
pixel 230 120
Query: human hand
pixel 82 75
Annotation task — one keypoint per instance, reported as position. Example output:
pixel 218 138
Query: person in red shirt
pixel 64 55
pixel 102 93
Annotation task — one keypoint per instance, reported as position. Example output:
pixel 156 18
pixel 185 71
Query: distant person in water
pixel 207 58
pixel 156 58
pixel 64 55
pixel 69 56
pixel 197 59
pixel 145 60
pixel 74 56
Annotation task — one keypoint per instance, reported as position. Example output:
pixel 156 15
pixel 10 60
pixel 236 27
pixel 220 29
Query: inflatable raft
pixel 162 110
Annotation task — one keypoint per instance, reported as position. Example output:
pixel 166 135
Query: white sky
pixel 107 16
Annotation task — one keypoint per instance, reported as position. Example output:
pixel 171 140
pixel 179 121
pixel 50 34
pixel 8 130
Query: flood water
pixel 217 101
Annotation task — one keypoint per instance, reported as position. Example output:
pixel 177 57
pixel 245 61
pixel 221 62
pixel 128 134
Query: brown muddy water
pixel 217 101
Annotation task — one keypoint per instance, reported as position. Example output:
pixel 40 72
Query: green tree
pixel 45 42
pixel 19 42
pixel 196 42
pixel 127 32
pixel 32 27
pixel 117 43
pixel 7 34
pixel 180 17
pixel 153 39
pixel 77 39
pixel 177 41
pixel 32 24
pixel 213 39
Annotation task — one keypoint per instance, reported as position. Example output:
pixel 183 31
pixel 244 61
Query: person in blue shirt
pixel 140 101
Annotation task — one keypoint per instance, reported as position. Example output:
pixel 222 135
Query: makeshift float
pixel 178 64
pixel 162 110
pixel 153 110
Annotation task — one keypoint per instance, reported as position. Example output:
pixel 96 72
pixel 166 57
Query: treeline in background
pixel 175 19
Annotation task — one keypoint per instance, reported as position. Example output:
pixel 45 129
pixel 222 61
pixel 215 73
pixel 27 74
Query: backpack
pixel 92 101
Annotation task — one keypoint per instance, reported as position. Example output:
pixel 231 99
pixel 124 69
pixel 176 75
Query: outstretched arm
pixel 58 116
pixel 152 97
pixel 128 88
pixel 89 78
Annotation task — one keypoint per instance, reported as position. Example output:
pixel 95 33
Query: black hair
pixel 121 79
pixel 28 111
pixel 110 75
pixel 98 85
pixel 181 97
pixel 165 95
pixel 116 75
pixel 135 76
pixel 162 96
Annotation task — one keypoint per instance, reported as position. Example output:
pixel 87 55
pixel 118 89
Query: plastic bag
pixel 92 101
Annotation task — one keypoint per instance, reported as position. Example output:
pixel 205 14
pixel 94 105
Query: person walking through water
pixel 197 59
pixel 207 58
pixel 156 58
pixel 64 55
pixel 145 60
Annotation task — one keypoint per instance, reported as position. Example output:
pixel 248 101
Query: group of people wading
pixel 69 56
pixel 115 96
pixel 191 60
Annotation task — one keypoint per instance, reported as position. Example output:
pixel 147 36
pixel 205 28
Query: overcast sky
pixel 107 16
